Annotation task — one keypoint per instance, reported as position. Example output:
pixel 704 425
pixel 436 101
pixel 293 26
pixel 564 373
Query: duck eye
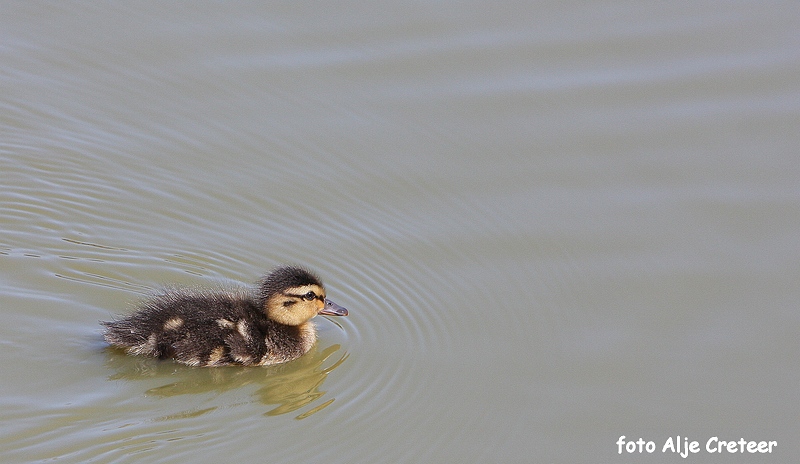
pixel 310 296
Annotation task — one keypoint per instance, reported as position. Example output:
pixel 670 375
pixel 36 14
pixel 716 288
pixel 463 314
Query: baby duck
pixel 246 327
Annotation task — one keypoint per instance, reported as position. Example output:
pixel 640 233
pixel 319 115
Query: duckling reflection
pixel 290 386
pixel 299 388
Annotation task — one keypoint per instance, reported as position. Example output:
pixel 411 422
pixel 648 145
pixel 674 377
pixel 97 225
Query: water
pixel 553 225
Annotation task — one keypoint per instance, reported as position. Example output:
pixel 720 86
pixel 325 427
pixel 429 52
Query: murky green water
pixel 553 225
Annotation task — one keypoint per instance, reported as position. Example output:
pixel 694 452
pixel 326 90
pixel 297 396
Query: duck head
pixel 292 296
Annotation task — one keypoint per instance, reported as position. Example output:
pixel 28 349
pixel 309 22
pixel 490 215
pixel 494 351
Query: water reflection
pixel 290 386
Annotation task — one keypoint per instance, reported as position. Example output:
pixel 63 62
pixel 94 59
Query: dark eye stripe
pixel 308 296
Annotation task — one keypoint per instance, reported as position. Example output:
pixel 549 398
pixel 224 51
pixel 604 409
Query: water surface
pixel 553 225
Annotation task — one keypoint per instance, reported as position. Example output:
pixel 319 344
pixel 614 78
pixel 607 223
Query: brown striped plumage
pixel 244 326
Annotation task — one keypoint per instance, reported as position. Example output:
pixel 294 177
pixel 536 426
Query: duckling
pixel 249 327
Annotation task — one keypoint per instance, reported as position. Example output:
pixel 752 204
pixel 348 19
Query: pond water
pixel 554 224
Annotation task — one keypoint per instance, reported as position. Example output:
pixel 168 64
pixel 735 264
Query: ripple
pixel 392 267
pixel 401 310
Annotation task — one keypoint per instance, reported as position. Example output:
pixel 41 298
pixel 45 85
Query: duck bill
pixel 332 309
